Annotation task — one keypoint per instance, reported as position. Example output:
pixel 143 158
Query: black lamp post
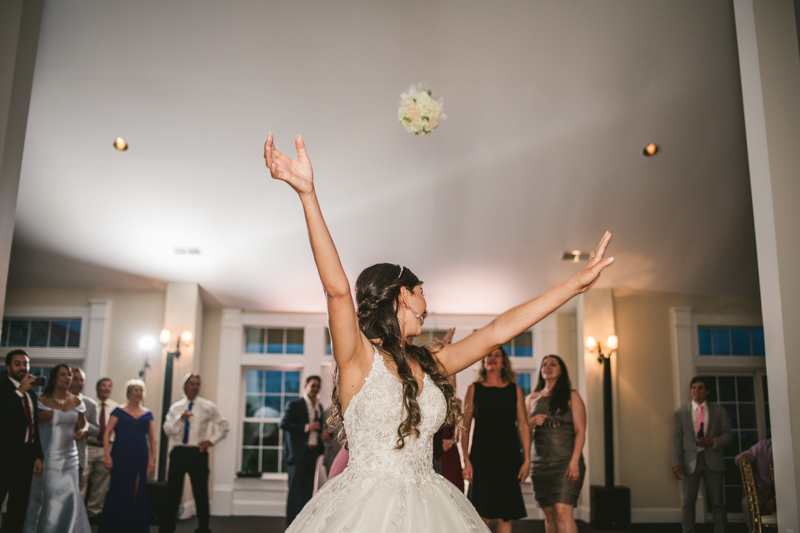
pixel 610 504
pixel 165 403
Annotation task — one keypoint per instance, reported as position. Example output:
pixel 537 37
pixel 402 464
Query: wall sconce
pixel 611 346
pixel 185 338
pixel 146 344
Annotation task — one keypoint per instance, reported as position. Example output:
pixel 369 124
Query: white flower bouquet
pixel 419 113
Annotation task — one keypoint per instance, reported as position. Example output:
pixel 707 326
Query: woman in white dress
pixel 393 396
pixel 55 501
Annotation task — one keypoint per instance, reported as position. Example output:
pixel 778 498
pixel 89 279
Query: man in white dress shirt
pixel 95 473
pixel 193 425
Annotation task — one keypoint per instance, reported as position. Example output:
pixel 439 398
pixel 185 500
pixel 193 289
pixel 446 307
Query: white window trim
pixel 686 359
pixel 91 354
pixel 687 362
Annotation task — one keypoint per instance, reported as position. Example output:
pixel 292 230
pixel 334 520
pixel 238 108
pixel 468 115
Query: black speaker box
pixel 156 498
pixel 610 508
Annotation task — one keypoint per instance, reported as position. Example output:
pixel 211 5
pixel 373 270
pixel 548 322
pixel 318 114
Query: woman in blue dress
pixel 130 461
pixel 55 498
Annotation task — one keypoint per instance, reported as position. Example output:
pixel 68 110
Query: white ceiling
pixel 549 104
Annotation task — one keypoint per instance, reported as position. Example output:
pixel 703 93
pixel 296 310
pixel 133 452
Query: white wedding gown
pixel 384 489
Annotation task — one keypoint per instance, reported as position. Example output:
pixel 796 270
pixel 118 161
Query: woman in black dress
pixel 558 420
pixel 498 462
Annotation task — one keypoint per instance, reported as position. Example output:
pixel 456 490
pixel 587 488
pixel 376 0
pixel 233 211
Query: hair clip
pixel 401 271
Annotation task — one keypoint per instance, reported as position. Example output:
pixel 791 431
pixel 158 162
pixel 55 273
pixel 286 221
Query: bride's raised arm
pixel 458 356
pixel 349 344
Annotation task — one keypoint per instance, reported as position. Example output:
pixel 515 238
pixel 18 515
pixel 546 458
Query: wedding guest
pixel 95 474
pixel 132 459
pixel 558 420
pixel 497 464
pixel 446 457
pixel 55 499
pixel 193 425
pixel 330 438
pixel 20 448
pixel 760 455
pixel 82 434
pixel 700 433
pixel 301 425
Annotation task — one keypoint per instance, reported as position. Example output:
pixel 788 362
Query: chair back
pixel 749 484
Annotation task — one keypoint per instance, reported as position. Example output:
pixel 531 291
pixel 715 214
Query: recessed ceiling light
pixel 180 250
pixel 575 256
pixel 650 150
pixel 120 144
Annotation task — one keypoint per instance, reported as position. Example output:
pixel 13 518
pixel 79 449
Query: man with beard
pixel 20 448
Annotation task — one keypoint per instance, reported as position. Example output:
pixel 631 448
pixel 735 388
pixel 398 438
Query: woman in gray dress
pixel 558 418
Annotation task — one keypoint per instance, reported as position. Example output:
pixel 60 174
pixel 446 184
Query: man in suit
pixel 96 474
pixel 90 430
pixel 302 444
pixel 701 431
pixel 20 448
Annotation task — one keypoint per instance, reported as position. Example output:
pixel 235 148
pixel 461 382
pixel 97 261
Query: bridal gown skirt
pixel 370 502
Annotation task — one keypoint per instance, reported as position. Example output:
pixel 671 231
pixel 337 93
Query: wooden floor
pixel 260 524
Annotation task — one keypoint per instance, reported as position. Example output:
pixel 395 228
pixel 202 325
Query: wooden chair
pixel 759 522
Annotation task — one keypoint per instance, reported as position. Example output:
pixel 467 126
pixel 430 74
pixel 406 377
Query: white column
pixel 228 400
pixel 682 369
pixel 769 63
pixel 98 339
pixel 19 37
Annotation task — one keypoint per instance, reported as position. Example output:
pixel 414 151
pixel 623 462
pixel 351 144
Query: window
pixel 716 341
pixel 739 396
pixel 521 345
pixel 524 382
pixel 41 333
pixel 427 336
pixel 267 393
pixel 274 340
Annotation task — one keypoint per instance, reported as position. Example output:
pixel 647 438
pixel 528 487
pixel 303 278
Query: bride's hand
pixel 297 173
pixel 589 274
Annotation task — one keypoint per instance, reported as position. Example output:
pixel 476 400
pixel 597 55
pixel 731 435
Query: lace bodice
pixel 375 413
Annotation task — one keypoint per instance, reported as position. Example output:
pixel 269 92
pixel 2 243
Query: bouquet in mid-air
pixel 419 112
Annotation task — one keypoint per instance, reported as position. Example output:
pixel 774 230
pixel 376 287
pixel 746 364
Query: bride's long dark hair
pixel 377 299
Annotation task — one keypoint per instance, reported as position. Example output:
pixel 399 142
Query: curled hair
pixel 562 392
pixel 52 377
pixel 508 375
pixel 377 298
pixel 134 383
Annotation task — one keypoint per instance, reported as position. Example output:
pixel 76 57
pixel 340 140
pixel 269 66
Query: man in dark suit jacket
pixel 302 444
pixel 20 449
pixel 701 430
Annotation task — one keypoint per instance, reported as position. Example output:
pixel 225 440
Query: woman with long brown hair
pixel 558 419
pixel 392 396
pixel 497 463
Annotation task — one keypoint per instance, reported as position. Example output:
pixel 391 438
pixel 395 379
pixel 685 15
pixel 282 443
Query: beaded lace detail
pixel 375 413
pixel 384 488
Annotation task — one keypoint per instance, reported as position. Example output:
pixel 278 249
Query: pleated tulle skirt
pixel 370 501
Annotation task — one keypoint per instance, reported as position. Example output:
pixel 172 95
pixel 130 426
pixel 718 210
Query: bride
pixel 393 396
